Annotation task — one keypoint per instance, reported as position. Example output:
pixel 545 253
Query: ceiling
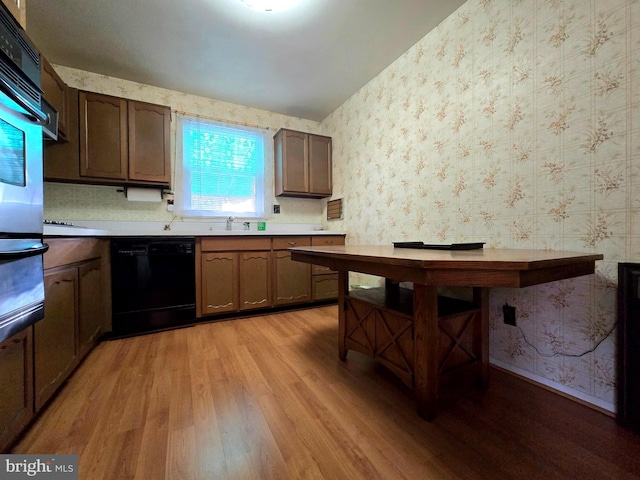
pixel 304 62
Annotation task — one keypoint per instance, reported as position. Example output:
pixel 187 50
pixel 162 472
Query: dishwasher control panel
pixel 144 247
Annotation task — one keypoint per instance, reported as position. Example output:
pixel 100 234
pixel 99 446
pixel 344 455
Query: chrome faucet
pixel 229 221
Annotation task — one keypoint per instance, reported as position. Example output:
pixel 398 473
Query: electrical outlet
pixel 276 209
pixel 509 314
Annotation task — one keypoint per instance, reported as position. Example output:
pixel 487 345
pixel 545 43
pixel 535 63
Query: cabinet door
pixel 149 142
pixel 55 352
pixel 325 287
pixel 90 305
pixel 324 241
pixel 54 91
pixel 219 282
pixel 61 159
pixel 320 165
pixel 16 386
pixel 292 279
pixel 255 284
pixel 103 136
pixel 295 161
pixel 18 10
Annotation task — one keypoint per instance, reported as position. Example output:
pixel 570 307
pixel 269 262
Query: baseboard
pixel 578 397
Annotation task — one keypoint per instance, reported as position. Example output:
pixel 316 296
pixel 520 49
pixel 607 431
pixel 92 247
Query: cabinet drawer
pixel 64 251
pixel 282 243
pixel 320 270
pixel 225 244
pixel 327 240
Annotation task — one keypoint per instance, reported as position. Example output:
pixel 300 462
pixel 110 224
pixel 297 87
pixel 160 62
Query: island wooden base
pixel 433 337
pixel 380 322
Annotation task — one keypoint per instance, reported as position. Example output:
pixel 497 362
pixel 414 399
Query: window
pixel 223 169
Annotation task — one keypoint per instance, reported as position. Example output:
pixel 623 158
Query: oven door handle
pixel 31 251
pixel 33 114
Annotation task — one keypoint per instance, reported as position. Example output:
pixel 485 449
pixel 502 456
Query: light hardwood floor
pixel 267 397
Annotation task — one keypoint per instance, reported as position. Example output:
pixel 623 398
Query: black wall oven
pixel 21 184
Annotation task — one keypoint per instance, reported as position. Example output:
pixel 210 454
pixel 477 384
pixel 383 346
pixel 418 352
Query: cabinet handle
pixel 258 302
pixel 15 341
pixel 293 298
pixel 219 306
pixel 292 243
pixel 91 270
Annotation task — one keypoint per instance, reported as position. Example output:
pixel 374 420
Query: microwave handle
pixel 32 251
pixel 35 115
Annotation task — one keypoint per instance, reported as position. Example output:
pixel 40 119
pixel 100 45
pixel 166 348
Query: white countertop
pixel 195 229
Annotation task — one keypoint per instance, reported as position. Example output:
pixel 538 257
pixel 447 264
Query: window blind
pixel 222 169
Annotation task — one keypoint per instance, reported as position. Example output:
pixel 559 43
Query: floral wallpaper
pixel 516 123
pixel 89 202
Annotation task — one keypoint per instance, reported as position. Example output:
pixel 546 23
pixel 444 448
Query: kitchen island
pixel 423 337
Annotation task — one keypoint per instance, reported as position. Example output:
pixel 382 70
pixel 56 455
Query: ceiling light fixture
pixel 269 5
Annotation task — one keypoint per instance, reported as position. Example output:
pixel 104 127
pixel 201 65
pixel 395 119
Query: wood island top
pixel 485 267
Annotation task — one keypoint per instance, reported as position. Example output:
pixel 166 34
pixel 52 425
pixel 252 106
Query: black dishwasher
pixel 153 283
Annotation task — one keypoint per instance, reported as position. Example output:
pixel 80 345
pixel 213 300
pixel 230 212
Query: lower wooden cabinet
pixel 56 351
pixel 242 273
pixel 324 281
pixel 71 326
pixel 234 273
pixel 292 280
pixel 75 311
pixel 16 386
pixel 91 305
pixel 324 287
pixel 35 362
pixel 255 280
pixel 219 282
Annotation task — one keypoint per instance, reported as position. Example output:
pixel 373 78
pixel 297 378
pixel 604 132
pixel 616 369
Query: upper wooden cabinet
pixel 54 91
pixel 149 145
pixel 302 164
pixel 124 141
pixel 320 166
pixel 111 141
pixel 103 136
pixel 61 161
pixel 18 10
